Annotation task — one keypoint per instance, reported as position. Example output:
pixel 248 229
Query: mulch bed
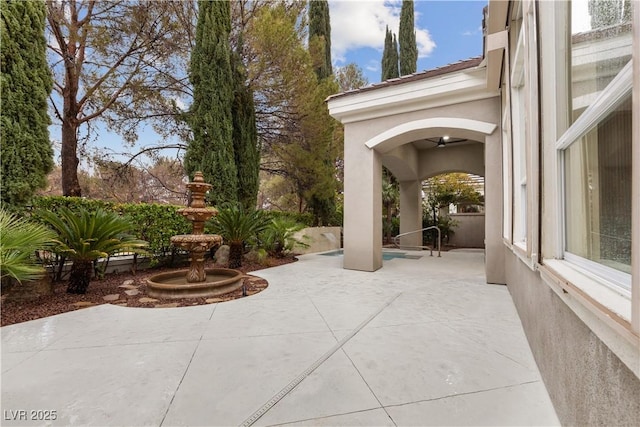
pixel 14 311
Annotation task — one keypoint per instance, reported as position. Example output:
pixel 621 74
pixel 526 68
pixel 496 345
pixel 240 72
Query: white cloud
pixel 373 66
pixel 359 24
pixel 474 32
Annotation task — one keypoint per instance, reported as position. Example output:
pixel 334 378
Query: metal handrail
pixel 395 239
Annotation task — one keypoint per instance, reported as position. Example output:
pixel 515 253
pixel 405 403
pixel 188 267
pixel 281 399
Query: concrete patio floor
pixel 419 342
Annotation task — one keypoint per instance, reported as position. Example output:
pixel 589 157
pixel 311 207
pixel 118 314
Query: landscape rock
pixel 83 304
pixel 212 300
pixel 132 292
pixel 129 286
pixel 147 299
pixel 29 290
pixel 129 282
pixel 112 297
pixel 222 256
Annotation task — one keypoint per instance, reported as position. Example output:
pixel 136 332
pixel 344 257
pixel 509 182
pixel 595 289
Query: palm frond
pixel 20 239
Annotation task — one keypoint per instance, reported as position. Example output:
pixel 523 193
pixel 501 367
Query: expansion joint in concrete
pixel 293 384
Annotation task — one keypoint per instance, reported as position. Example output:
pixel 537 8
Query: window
pixel 523 79
pixel 596 149
pixel 598 194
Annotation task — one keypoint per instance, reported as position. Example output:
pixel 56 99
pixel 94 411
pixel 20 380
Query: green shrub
pixel 153 223
pixel 238 227
pixel 278 237
pixel 305 218
pixel 54 203
pixel 85 236
pixel 156 224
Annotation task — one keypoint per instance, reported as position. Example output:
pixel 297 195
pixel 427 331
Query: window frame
pixel 606 102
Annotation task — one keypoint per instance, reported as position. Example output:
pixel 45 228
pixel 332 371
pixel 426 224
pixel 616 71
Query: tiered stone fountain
pixel 196 281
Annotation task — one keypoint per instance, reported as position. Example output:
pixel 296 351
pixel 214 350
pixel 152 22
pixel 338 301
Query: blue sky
pixel 446 31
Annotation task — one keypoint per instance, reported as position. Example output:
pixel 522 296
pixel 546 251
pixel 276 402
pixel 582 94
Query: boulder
pixel 222 256
pixel 30 290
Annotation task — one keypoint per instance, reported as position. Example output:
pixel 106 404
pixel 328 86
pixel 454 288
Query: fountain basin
pixel 174 285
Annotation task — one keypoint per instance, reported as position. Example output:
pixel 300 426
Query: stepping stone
pixel 171 305
pixel 129 282
pixel 212 300
pixel 132 292
pixel 147 299
pixel 83 304
pixel 112 297
pixel 129 286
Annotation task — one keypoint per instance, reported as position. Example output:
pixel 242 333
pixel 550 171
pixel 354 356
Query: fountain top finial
pixel 198 177
pixel 198 189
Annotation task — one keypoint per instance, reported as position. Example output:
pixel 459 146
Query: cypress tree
pixel 385 55
pixel 389 56
pixel 25 85
pixel 393 59
pixel 321 193
pixel 211 149
pixel 408 48
pixel 245 136
pixel 320 37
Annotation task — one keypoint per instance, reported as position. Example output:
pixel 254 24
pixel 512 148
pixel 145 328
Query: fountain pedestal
pixel 196 281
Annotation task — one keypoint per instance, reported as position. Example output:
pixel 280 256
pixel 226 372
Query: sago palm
pixel 237 226
pixel 279 236
pixel 84 237
pixel 19 240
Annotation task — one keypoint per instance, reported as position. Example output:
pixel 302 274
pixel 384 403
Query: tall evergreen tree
pixel 320 37
pixel 245 136
pixel 389 57
pixel 394 58
pixel 25 85
pixel 319 146
pixel 408 47
pixel 210 119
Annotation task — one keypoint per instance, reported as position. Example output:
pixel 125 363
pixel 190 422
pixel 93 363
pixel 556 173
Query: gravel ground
pixel 61 302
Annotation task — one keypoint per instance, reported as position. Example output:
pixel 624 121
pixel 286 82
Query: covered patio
pixel 403 124
pixel 423 341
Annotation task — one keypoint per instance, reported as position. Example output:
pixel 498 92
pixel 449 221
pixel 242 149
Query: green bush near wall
pixel 303 218
pixel 153 223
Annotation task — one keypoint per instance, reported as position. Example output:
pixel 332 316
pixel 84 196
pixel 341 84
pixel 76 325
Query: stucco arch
pixel 429 128
pixel 388 125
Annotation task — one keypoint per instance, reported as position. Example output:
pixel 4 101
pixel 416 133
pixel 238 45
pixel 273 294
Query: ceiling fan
pixel 445 140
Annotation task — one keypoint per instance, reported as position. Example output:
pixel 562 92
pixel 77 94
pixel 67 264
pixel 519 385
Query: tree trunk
pixel 235 255
pixel 388 206
pixel 80 277
pixel 70 183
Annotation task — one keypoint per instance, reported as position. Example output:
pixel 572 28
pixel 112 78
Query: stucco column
pixel 410 212
pixel 494 246
pixel 362 204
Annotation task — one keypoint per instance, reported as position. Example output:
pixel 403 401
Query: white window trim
pixel 616 280
pixel 605 103
pixel 620 333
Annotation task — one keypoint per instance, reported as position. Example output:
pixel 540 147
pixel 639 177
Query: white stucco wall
pixel 469 233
